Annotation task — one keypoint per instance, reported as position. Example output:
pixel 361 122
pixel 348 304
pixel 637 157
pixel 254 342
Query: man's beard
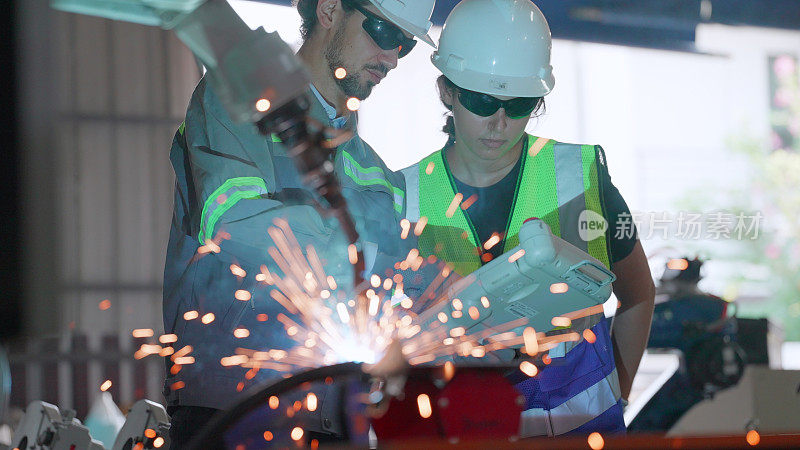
pixel 351 84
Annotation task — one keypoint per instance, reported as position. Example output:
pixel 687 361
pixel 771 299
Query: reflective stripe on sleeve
pixel 224 198
pixel 371 176
pixel 411 175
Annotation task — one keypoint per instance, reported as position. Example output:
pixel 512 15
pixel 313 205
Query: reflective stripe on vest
pixel 224 198
pixel 573 413
pixel 557 183
pixel 371 176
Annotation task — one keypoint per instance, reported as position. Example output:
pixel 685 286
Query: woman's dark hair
pixel 308 14
pixel 450 123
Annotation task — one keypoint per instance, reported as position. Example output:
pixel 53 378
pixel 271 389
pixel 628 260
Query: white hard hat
pixel 497 47
pixel 413 16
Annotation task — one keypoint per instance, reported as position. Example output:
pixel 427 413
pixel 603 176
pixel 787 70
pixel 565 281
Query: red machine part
pixel 475 404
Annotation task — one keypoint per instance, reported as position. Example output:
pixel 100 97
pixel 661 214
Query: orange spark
pixel 420 226
pixel 561 322
pixel 190 315
pixel 104 305
pixel 678 264
pixel 242 295
pixel 485 302
pixel 429 168
pixel 142 333
pixel 262 317
pixel 297 433
pixel 424 405
pixel 405 226
pixel 241 333
pixel 492 241
pixel 559 288
pixel 177 385
pixel 263 105
pixel 353 104
pixel 268 436
pixel 311 401
pixel 158 442
pixel 105 386
pixel 528 368
pixel 516 255
pixel 454 205
pixel 208 318
pixel 473 313
pixel 469 201
pixel 274 402
pixel 753 438
pixel 531 344
pixel 238 271
pixel 595 441
pixel 340 73
pixel 150 433
pixel 168 338
pixel 589 336
pixel 352 253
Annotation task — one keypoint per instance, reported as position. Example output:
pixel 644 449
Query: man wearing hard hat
pixel 232 183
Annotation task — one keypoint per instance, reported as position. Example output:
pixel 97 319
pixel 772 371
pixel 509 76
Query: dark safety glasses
pixel 385 34
pixel 485 105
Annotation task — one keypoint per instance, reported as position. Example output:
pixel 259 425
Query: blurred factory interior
pixel 696 103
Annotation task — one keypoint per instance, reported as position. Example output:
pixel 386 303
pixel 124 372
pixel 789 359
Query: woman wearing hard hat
pixel 494 56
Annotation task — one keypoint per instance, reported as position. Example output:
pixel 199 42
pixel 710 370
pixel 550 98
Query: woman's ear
pixel 446 94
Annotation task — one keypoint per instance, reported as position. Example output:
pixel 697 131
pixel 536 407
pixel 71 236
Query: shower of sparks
pixel 330 325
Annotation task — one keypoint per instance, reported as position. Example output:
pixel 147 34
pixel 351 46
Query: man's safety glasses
pixel 485 105
pixel 385 34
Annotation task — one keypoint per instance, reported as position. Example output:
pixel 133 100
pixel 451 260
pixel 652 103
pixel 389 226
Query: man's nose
pixel 389 58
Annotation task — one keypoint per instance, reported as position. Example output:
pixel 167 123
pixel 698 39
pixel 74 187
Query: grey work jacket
pixel 234 182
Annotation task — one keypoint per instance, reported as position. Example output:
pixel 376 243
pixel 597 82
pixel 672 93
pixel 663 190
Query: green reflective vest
pixel 557 183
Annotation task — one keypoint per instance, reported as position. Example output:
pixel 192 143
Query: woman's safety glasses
pixel 485 105
pixel 385 34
